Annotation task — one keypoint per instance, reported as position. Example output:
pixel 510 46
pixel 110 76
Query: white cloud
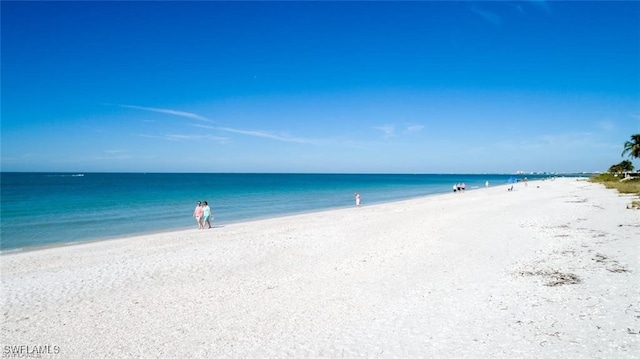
pixel 265 134
pixel 489 16
pixel 389 131
pixel 115 152
pixel 412 128
pixel 606 125
pixel 556 142
pixel 181 137
pixel 21 158
pixel 542 4
pixel 254 133
pixel 270 135
pixel 169 112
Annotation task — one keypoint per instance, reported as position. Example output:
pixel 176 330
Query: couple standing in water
pixel 203 214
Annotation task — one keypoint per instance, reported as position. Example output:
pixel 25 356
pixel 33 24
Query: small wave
pixel 65 175
pixel 12 250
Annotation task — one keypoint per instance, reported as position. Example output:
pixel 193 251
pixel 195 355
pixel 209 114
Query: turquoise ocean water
pixel 40 209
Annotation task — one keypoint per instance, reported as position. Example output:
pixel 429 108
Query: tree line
pixel 632 150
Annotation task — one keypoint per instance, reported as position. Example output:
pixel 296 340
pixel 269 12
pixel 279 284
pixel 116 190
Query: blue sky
pixel 367 87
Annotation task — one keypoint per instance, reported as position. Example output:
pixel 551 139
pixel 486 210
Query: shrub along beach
pixel 620 175
pixel 629 185
pixel 548 270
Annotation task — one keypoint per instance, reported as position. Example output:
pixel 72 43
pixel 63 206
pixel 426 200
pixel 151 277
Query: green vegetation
pixel 630 186
pixel 622 167
pixel 632 148
pixel 616 179
pixel 623 186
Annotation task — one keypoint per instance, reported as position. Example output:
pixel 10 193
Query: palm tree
pixel 632 147
pixel 626 166
pixel 622 167
pixel 614 169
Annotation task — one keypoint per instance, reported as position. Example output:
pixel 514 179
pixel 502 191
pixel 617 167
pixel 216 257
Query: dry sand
pixel 550 270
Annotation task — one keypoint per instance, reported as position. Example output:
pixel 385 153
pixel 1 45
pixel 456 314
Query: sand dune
pixel 550 270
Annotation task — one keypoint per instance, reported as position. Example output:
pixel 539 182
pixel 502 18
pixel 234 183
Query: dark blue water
pixel 50 208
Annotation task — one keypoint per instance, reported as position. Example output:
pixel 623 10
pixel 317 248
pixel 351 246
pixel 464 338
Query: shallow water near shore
pixel 44 209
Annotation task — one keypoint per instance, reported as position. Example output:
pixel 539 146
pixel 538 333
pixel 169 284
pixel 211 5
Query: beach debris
pixel 631 309
pixel 577 200
pixel 559 279
pixel 618 270
pixel 555 277
pixel 611 265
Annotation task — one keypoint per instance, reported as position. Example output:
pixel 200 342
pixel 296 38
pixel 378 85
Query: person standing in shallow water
pixel 208 216
pixel 198 213
pixel 357 195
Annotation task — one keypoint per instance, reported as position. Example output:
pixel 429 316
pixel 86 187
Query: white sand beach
pixel 550 270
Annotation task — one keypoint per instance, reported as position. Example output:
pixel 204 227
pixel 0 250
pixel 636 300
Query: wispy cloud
pixel 168 112
pixel 413 128
pixel 567 140
pixel 555 142
pixel 108 155
pixel 606 125
pixel 21 158
pixel 388 131
pixel 254 133
pixel 265 134
pixel 391 130
pixel 182 137
pixel 178 137
pixel 542 4
pixel 115 152
pixel 488 16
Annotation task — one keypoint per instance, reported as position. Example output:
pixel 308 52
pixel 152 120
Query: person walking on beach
pixel 198 214
pixel 208 216
pixel 455 188
pixel 357 195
